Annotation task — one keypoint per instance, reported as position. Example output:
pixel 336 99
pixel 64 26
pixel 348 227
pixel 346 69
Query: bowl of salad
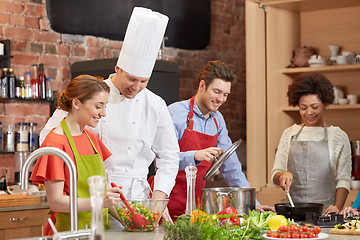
pixel 150 209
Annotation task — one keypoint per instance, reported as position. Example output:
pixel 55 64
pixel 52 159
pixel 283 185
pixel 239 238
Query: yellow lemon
pixel 276 221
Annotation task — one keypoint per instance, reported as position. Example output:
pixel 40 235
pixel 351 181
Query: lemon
pixel 276 221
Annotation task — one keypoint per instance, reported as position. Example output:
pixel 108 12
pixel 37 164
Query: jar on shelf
pixel 22 143
pixel 9 138
pixel 33 137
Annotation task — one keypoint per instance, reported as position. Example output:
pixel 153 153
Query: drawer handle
pixel 18 219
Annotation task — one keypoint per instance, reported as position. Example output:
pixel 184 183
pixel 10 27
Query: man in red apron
pixel 202 135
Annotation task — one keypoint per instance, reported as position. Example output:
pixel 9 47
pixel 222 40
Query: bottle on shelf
pixel 9 138
pixel 22 132
pixel 12 83
pixel 27 83
pixel 4 84
pixel 17 86
pixel 49 92
pixel 1 138
pixel 33 137
pixel 22 88
pixel 42 82
pixel 35 82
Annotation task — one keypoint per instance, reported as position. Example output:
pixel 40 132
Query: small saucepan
pixel 298 213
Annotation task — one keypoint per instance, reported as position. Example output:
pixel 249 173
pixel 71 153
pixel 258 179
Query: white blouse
pixel 339 149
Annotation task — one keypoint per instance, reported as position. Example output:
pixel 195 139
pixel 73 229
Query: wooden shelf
pixel 308 5
pixel 331 107
pixel 337 68
pixel 26 100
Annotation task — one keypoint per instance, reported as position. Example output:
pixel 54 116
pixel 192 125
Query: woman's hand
pixel 112 196
pixel 263 208
pixel 208 154
pixel 349 209
pixel 285 181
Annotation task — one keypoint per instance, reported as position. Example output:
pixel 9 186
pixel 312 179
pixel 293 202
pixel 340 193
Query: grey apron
pixel 309 162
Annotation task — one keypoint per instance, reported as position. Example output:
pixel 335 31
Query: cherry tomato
pixel 281 229
pixel 313 235
pixel 286 235
pixel 294 228
pixel 317 229
pixel 269 233
pixel 275 235
pixel 304 235
pixel 286 228
pixel 305 229
pixel 295 235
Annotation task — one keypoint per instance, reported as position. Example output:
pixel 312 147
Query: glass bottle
pixel 49 92
pixel 4 84
pixel 34 82
pixel 42 81
pixel 22 88
pixel 11 83
pixel 27 83
pixel 17 86
pixel 33 137
pixel 9 138
pixel 22 143
pixel 190 190
pixel 96 189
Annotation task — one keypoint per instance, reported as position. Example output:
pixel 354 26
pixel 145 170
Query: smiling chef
pixel 137 128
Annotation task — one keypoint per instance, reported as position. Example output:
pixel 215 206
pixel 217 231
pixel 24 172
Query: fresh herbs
pixel 259 219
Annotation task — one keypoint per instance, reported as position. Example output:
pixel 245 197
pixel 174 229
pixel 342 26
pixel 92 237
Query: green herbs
pixel 151 217
pixel 185 229
pixel 259 219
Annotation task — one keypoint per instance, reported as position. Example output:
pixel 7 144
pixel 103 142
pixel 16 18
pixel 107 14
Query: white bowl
pixel 343 101
pixel 355 184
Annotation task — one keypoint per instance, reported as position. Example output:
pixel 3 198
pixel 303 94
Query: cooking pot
pixel 299 211
pixel 355 147
pixel 216 199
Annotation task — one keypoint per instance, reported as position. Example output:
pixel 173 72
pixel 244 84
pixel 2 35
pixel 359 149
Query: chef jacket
pixel 339 149
pixel 231 169
pixel 136 131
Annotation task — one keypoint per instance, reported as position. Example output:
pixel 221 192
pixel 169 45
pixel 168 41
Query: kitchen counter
pixel 21 208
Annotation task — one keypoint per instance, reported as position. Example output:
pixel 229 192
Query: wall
pixel 25 23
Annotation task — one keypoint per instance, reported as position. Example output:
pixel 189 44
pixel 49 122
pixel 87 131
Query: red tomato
pixel 304 235
pixel 317 229
pixel 228 210
pixel 294 228
pixel 286 235
pixel 286 228
pixel 235 220
pixel 269 233
pixel 295 235
pixel 305 229
pixel 275 235
pixel 313 235
pixel 281 229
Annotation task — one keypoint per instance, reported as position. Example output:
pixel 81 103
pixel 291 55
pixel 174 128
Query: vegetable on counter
pixel 295 231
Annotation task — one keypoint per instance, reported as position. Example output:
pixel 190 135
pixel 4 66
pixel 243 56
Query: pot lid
pixel 223 157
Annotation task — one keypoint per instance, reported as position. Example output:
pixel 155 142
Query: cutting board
pixel 344 231
pixel 19 200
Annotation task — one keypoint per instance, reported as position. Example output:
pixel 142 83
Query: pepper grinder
pixel 96 188
pixel 190 190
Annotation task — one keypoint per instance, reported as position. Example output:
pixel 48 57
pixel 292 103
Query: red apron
pixel 191 140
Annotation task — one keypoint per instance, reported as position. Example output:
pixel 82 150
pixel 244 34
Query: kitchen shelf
pixel 308 5
pixel 1 152
pixel 26 100
pixel 330 107
pixel 337 68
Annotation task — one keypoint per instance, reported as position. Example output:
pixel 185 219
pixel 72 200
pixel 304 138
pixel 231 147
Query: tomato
pixel 235 220
pixel 281 229
pixel 304 235
pixel 305 229
pixel 275 235
pixel 317 229
pixel 269 233
pixel 286 235
pixel 295 235
pixel 313 235
pixel 294 228
pixel 286 228
pixel 228 210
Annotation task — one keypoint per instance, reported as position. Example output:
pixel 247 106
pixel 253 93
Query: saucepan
pixel 298 213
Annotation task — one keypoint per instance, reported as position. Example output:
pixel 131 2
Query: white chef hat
pixel 142 41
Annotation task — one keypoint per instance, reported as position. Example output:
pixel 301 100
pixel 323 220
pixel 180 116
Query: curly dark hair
pixel 310 83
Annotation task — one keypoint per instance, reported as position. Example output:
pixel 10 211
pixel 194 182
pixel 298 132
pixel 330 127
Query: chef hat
pixel 142 42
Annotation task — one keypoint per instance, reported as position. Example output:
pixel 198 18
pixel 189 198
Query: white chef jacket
pixel 136 131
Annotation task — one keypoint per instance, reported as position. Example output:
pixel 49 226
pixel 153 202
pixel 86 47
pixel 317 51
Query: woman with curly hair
pixel 313 160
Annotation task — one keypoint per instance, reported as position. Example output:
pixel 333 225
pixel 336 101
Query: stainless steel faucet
pixel 72 172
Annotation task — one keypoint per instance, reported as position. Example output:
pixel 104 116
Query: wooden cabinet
pixel 22 224
pixel 274 28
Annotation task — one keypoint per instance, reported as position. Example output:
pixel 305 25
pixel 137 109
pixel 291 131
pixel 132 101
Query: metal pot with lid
pixel 216 199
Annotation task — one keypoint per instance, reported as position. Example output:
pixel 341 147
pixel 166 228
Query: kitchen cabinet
pixel 274 28
pixel 23 223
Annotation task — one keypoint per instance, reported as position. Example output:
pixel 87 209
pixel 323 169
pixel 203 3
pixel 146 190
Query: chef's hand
pixel 112 196
pixel 331 209
pixel 349 209
pixel 157 194
pixel 208 154
pixel 263 208
pixel 285 181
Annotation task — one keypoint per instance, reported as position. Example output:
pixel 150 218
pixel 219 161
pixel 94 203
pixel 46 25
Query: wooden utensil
pixel 136 217
pixel 289 197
